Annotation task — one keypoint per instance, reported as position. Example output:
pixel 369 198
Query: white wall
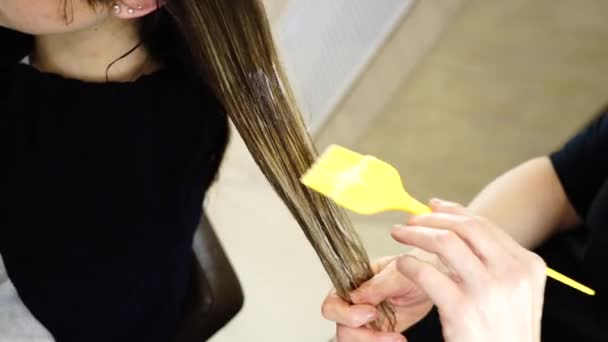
pixel 415 36
pixel 275 8
pixel 327 44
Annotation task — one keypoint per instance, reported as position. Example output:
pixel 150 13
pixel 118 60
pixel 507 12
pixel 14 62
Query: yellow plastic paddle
pixel 367 185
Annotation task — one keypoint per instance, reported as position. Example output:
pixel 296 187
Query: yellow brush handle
pixel 416 208
pixel 569 281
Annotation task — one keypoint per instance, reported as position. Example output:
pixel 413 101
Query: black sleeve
pixel 426 330
pixel 13 46
pixel 582 164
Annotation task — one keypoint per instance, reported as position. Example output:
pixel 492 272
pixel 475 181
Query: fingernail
pixel 435 201
pixel 412 219
pixel 397 229
pixel 355 298
pixel 364 316
pixel 369 317
pixel 402 227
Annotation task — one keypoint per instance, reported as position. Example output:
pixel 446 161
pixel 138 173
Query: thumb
pixel 386 284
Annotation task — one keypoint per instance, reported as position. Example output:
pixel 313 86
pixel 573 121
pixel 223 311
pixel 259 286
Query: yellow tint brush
pixel 367 185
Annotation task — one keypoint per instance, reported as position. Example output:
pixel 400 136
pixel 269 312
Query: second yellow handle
pixel 569 281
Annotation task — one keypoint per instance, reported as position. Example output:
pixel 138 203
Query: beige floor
pixel 508 81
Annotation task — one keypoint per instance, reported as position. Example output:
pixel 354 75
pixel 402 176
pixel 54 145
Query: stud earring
pixel 140 7
pixel 116 8
pixel 130 10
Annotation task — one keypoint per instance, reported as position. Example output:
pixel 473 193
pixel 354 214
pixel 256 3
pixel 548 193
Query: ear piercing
pixel 117 9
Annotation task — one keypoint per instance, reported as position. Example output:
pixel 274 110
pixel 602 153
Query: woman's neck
pixel 86 54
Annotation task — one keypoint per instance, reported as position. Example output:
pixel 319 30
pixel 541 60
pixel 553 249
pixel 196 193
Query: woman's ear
pixel 132 9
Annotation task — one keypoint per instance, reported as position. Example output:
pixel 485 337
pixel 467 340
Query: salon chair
pixel 215 294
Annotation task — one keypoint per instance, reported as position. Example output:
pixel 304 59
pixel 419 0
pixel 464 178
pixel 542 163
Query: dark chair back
pixel 215 295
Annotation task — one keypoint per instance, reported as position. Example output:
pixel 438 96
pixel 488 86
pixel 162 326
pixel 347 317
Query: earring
pixel 140 7
pixel 116 8
pixel 130 10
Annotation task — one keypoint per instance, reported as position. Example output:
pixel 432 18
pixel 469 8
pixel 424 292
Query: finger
pixel 380 264
pixel 459 216
pixel 442 290
pixel 348 334
pixel 482 238
pixel 453 252
pixel 457 209
pixel 337 310
pixel 386 284
pixel 438 205
pixel 441 206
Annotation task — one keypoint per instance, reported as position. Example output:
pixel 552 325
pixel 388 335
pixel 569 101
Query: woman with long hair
pixel 114 120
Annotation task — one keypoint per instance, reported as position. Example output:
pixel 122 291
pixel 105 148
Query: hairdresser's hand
pixel 494 288
pixel 410 303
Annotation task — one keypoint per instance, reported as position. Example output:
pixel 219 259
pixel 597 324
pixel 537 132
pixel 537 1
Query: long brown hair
pixel 230 45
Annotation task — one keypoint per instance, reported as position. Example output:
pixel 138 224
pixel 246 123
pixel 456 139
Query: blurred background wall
pixel 452 92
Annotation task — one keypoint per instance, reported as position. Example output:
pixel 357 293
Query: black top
pixel 582 167
pixel 569 315
pixel 102 188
